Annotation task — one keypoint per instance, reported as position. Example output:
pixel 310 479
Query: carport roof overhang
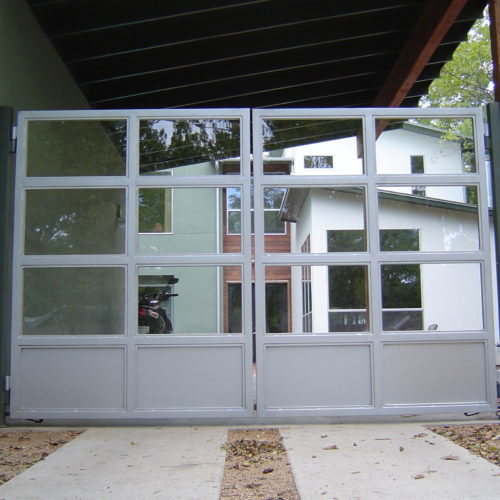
pixel 255 53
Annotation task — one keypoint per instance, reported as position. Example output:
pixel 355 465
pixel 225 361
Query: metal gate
pixel 162 271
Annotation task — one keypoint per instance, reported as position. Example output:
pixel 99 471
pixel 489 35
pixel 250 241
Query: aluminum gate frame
pixel 106 369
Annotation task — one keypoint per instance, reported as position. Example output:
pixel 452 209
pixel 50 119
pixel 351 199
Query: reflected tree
pixel 166 144
pixel 74 221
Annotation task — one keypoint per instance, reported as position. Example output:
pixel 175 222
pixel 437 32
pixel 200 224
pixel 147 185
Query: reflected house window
pixel 417 167
pixel 276 307
pixel 401 297
pixel 307 312
pixel 348 298
pixel 317 161
pixel 346 240
pixel 399 240
pixel 273 198
pixel 155 210
pixel 401 283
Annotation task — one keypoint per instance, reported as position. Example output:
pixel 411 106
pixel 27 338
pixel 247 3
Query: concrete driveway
pixel 390 461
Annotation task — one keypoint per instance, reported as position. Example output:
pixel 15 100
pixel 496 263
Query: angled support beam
pixel 436 20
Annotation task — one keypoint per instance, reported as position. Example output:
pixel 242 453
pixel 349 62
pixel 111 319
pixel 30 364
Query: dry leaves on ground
pixel 257 467
pixel 20 449
pixel 479 439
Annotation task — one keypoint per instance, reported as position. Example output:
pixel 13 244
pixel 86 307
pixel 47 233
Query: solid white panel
pixel 434 373
pixel 305 376
pixel 76 378
pixel 172 377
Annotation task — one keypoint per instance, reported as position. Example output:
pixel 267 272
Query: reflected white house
pixel 412 218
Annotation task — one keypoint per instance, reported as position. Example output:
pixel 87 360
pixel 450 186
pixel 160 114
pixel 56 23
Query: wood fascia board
pixel 436 20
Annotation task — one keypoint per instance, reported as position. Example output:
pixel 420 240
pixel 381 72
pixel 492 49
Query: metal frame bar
pixel 6 222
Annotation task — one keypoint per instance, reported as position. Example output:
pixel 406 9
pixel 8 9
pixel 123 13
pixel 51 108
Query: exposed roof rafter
pixel 431 28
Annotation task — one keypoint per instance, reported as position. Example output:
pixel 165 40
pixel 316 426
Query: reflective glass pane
pixel 442 297
pixel 73 301
pixel 314 147
pixel 317 299
pixel 76 147
pixel 348 298
pixel 329 219
pixel 428 218
pixel 189 220
pixel 189 147
pixel 75 221
pixel 189 300
pixel 425 146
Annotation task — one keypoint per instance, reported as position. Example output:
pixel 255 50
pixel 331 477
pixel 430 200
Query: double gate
pixel 167 267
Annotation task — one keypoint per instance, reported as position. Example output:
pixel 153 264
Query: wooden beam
pixel 437 18
pixel 494 8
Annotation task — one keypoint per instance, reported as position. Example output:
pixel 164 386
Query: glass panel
pixel 399 240
pixel 425 146
pixel 325 161
pixel 348 298
pixel 189 220
pixel 189 300
pixel 442 218
pixel 316 299
pixel 401 297
pixel 314 147
pixel 74 301
pixel 75 221
pixel 155 210
pixel 189 147
pixel 443 297
pixel 332 218
pixel 76 147
pixel 346 240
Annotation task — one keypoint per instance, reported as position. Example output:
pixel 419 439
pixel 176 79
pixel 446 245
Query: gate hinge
pixel 6 383
pixel 13 139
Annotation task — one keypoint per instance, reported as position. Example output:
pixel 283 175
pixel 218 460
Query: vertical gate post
pixel 494 126
pixel 6 233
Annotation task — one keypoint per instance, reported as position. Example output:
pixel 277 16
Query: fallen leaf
pixel 420 435
pixel 268 470
pixel 331 447
pixel 450 457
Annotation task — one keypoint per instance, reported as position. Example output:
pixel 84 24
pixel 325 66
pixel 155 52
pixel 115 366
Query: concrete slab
pixel 128 463
pixel 385 461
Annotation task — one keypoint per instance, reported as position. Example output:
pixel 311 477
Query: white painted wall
pixel 393 151
pixel 32 76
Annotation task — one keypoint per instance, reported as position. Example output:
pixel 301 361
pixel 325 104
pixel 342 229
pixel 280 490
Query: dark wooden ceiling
pixel 255 53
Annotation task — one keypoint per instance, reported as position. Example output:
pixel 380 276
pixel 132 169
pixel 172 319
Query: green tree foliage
pixel 466 80
pixel 166 144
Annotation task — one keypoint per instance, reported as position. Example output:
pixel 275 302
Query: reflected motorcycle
pixel 153 315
